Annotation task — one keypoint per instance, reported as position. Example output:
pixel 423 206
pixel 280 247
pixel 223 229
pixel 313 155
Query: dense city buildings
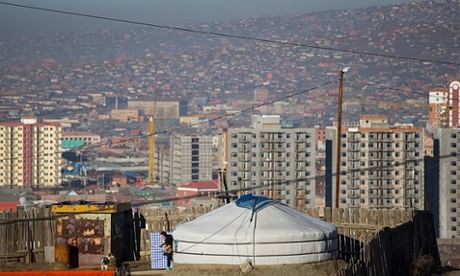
pixel 30 153
pixel 277 162
pixel 191 158
pixel 381 165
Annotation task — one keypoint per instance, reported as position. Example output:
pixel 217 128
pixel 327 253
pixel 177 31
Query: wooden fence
pixel 24 237
pixel 407 249
pixel 356 227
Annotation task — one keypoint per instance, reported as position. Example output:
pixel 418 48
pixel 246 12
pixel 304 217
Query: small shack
pixel 258 229
pixel 85 232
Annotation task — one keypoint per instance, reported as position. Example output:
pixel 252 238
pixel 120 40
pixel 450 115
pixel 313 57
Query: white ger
pixel 255 229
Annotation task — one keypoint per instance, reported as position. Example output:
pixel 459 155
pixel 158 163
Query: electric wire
pixel 221 194
pixel 142 136
pixel 232 36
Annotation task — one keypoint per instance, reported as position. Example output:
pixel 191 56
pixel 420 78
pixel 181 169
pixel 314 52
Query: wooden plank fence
pixel 356 227
pixel 407 249
pixel 24 237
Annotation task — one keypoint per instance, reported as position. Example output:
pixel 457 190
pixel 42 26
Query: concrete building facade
pixel 448 162
pixel 191 158
pixel 381 165
pixel 158 109
pixel 277 162
pixel 437 101
pixel 87 137
pixel 30 154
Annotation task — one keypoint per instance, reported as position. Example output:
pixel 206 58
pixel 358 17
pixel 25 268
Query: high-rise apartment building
pixel 447 162
pixel 381 166
pixel 277 162
pixel 30 153
pixel 191 158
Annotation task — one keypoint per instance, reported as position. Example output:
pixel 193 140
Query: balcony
pixel 242 148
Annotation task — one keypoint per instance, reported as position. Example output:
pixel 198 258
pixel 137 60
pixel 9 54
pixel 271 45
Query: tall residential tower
pixel 381 165
pixel 274 161
pixel 30 153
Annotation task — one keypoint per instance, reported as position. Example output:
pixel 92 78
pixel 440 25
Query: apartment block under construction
pixel 381 165
pixel 30 153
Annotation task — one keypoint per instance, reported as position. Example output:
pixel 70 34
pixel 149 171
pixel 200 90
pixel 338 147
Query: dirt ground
pixel 315 269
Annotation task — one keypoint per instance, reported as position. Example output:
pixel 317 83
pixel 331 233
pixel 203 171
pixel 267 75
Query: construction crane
pixel 152 179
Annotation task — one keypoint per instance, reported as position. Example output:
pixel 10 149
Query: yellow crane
pixel 152 179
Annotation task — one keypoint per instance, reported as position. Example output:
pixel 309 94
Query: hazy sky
pixel 17 21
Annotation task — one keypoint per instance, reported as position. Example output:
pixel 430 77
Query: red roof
pixel 8 205
pixel 211 184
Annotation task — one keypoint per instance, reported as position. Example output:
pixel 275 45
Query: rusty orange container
pixel 62 253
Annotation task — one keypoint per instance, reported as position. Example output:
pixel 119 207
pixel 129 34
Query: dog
pixel 105 261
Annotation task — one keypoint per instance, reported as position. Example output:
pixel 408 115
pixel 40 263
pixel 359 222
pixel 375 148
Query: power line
pixel 166 131
pixel 89 147
pixel 233 36
pixel 220 194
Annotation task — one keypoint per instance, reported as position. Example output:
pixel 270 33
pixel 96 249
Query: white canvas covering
pixel 267 233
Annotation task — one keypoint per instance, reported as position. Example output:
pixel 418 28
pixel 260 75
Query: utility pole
pixel 339 136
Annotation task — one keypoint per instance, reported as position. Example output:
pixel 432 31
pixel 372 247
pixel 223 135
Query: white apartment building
pixel 191 158
pixel 273 161
pixel 381 166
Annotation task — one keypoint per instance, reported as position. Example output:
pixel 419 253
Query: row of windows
pixel 382 135
pixel 375 154
pixel 268 135
pixel 270 173
pixel 267 163
pixel 376 145
pixel 268 154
